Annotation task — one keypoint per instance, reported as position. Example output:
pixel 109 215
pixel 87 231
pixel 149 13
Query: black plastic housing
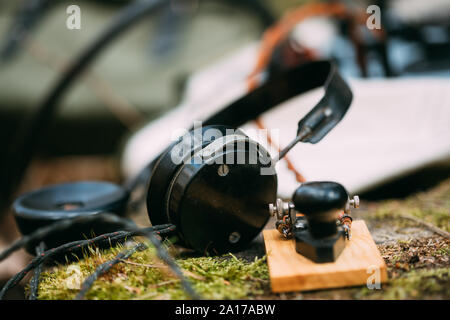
pixel 319 250
pixel 317 235
pixel 215 212
pixel 47 205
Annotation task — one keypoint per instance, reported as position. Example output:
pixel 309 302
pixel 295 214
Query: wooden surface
pixel 290 271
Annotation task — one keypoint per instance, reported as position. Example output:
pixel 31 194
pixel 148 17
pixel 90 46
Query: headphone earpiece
pixel 47 205
pixel 217 196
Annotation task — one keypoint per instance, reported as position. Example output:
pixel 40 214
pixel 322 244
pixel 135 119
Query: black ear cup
pixel 54 203
pixel 218 196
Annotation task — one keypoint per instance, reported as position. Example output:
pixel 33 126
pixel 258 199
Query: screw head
pixel 223 170
pixel 234 237
pixel 272 209
pixel 355 202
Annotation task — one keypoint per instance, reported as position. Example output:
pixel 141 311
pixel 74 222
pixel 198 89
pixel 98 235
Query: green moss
pixel 226 277
pixel 432 207
pixel 145 277
pixel 416 284
pixel 445 251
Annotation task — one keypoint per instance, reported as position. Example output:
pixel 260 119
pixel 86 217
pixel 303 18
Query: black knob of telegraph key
pixel 320 202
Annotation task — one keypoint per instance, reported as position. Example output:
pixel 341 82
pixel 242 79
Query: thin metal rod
pixel 301 135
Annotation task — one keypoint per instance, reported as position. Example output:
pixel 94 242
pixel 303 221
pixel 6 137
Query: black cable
pixel 78 245
pixel 34 283
pixel 26 141
pixel 107 217
pixel 30 14
pixel 165 256
pixel 104 268
pixel 45 256
pixel 59 226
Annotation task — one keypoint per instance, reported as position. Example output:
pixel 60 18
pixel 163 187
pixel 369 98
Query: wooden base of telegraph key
pixel 290 271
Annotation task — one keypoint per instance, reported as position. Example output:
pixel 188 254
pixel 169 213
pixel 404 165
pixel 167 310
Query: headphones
pixel 208 183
